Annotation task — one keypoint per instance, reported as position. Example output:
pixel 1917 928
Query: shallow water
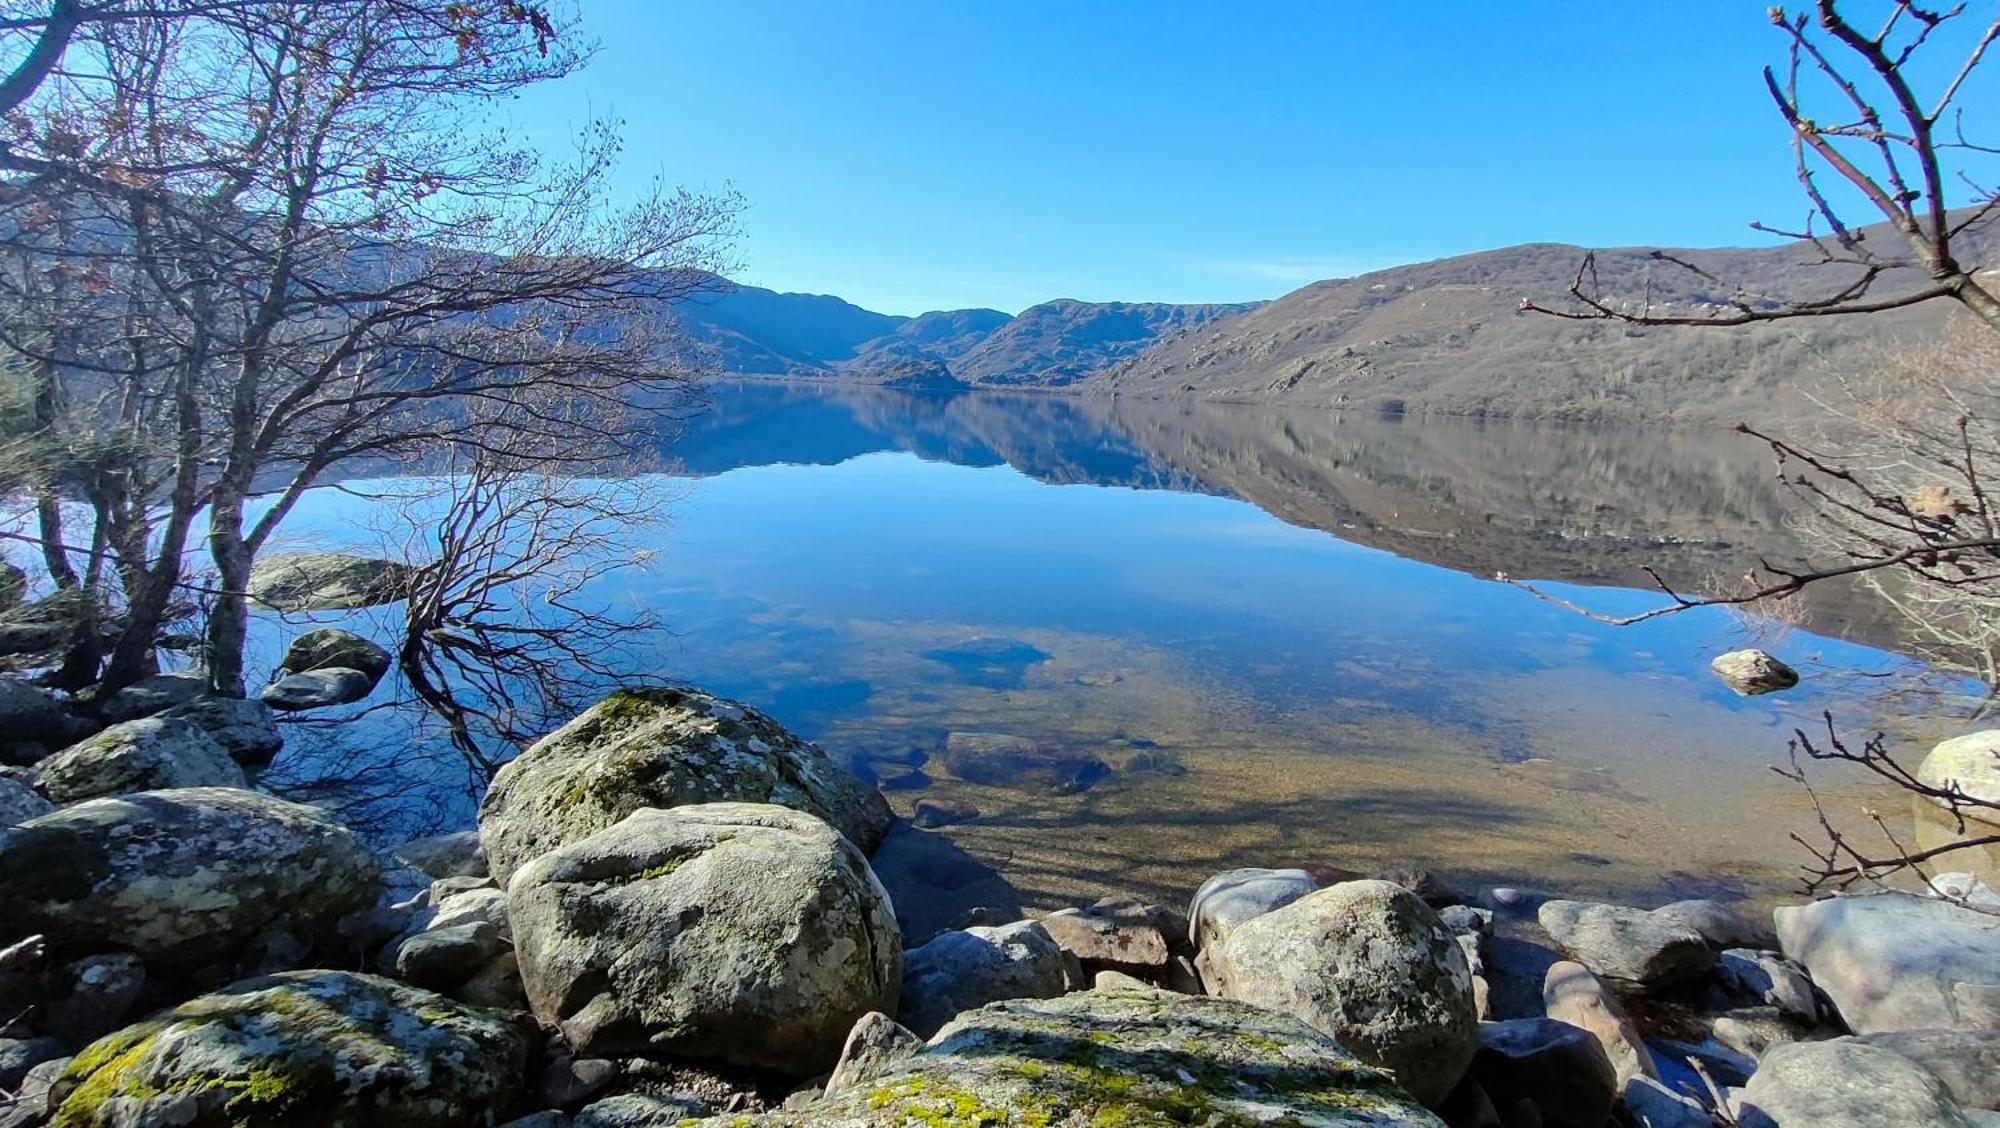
pixel 1276 632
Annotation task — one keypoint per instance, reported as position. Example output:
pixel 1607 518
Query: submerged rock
pixel 1115 1057
pixel 189 879
pixel 455 854
pixel 663 748
pixel 1751 672
pixel 1000 760
pixel 317 689
pixel 326 581
pixel 1896 961
pixel 321 1047
pixel 1370 964
pixel 151 754
pixel 749 933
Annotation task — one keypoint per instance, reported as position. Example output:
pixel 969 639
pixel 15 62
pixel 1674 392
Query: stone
pixel 1753 978
pixel 1753 672
pixel 149 754
pixel 1844 1084
pixel 29 715
pixel 192 880
pixel 326 581
pixel 1234 896
pixel 331 647
pixel 959 971
pixel 1967 1061
pixel 1651 1104
pixel 931 813
pixel 497 985
pixel 440 959
pixel 1752 1031
pixel 19 1055
pixel 1002 760
pixel 100 992
pixel 445 855
pixel 751 933
pixel 1572 994
pixel 1368 963
pixel 568 1081
pixel 1118 934
pixel 321 1047
pixel 1971 764
pixel 148 696
pixel 1466 920
pixel 1720 925
pixel 245 729
pixel 30 1106
pixel 316 689
pixel 663 748
pixel 1134 1057
pixel 1558 1068
pixel 19 802
pixel 1897 961
pixel 639 1110
pixel 1627 944
pixel 876 1043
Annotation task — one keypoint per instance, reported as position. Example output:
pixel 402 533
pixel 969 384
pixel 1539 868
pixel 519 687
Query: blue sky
pixel 912 156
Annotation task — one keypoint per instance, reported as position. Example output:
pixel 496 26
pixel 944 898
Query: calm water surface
pixel 1279 632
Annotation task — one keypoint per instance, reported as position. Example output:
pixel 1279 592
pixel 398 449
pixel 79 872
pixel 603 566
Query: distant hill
pixel 1061 342
pixel 1449 337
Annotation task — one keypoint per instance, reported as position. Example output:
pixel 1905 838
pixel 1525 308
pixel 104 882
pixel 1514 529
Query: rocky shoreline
pixel 668 914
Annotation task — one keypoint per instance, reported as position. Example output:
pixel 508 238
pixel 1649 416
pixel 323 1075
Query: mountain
pixel 1061 342
pixel 1449 337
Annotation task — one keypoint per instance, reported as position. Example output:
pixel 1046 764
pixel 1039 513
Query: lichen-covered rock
pixel 1370 964
pixel 150 754
pixel 746 932
pixel 876 1042
pixel 663 748
pixel 1969 763
pixel 317 689
pixel 331 646
pixel 958 971
pixel 1134 1057
pixel 1844 1084
pixel 19 802
pixel 244 728
pixel 1751 672
pixel 311 1047
pixel 326 581
pixel 189 879
pixel 1627 944
pixel 1896 961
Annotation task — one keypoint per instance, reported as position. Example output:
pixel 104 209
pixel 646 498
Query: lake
pixel 1278 633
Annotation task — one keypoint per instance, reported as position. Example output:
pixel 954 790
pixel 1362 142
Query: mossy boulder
pixel 150 754
pixel 663 748
pixel 746 933
pixel 190 879
pixel 1131 1056
pixel 327 1048
pixel 1369 963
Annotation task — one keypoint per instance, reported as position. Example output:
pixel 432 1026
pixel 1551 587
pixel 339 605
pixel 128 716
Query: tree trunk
pixel 229 612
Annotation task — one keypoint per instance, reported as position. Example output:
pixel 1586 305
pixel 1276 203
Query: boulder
pixel 189 879
pixel 1844 1084
pixel 322 1047
pixel 317 689
pixel 1114 1057
pixel 1234 896
pixel 1753 978
pixel 1896 961
pixel 150 754
pixel 1720 925
pixel 1119 934
pixel 148 696
pixel 663 748
pixel 1571 994
pixel 19 1055
pixel 1752 1031
pixel 99 992
pixel 1001 760
pixel 244 728
pixel 641 1110
pixel 1368 963
pixel 19 802
pixel 30 1106
pixel 959 971
pixel 876 1043
pixel 440 959
pixel 1627 944
pixel 1970 763
pixel 326 581
pixel 331 647
pixel 28 715
pixel 1967 1061
pixel 1559 1069
pixel 747 932
pixel 1751 672
pixel 445 855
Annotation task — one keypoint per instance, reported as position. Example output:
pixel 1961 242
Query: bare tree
pixel 1892 141
pixel 319 252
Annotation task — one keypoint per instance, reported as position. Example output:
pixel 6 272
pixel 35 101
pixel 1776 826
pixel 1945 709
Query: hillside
pixel 1448 336
pixel 1061 342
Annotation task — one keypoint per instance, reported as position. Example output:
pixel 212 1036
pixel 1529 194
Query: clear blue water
pixel 1279 633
